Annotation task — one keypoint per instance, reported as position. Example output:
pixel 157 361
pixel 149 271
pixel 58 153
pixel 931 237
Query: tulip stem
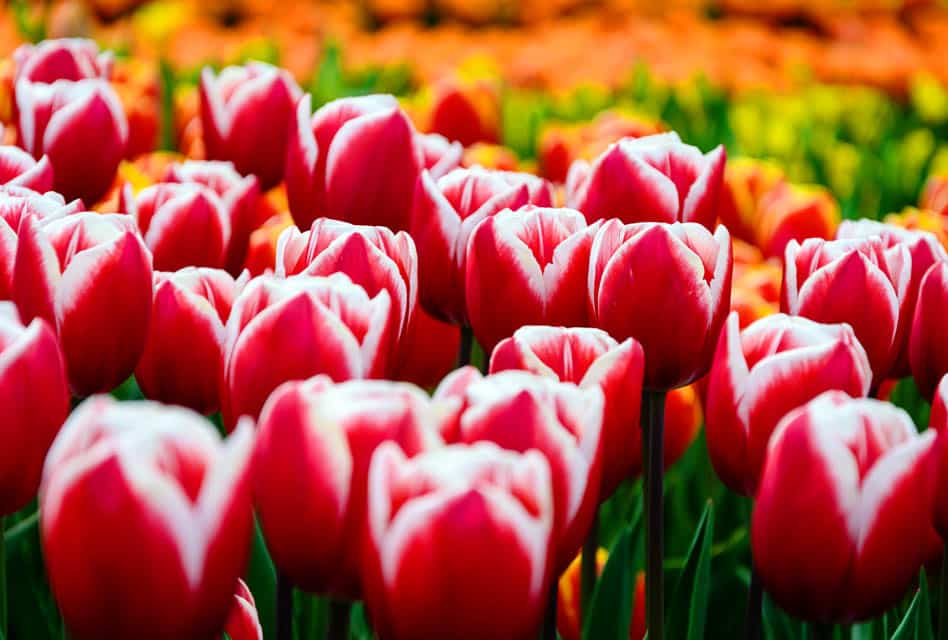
pixel 755 597
pixel 549 618
pixel 467 345
pixel 3 577
pixel 284 622
pixel 653 437
pixel 339 614
pixel 587 576
pixel 943 599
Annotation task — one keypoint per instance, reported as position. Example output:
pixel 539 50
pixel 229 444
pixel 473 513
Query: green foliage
pixel 917 623
pixel 688 607
pixel 611 609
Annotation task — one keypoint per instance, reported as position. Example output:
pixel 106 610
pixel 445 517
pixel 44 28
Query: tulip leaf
pixel 32 610
pixel 261 580
pixel 610 613
pixel 917 622
pixel 777 624
pixel 688 608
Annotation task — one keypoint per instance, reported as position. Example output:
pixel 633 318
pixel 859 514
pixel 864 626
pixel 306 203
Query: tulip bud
pixel 842 524
pixel 759 374
pixel 355 159
pixel 182 224
pixel 493 504
pixel 243 623
pixel 588 358
pixel 301 326
pixel 19 169
pixel 183 358
pixel 80 126
pixel 527 267
pixel 655 178
pixel 446 212
pixel 465 109
pixel 145 490
pixel 747 182
pixel 925 250
pixel 70 59
pixel 34 401
pixel 928 346
pixel 90 276
pixel 521 411
pixel 245 113
pixel 795 212
pixel 569 612
pixel 241 198
pixel 312 463
pixel 859 282
pixel 666 285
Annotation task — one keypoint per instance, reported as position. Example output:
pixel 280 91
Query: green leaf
pixel 777 624
pixel 261 580
pixel 688 609
pixel 871 630
pixel 32 610
pixel 917 623
pixel 611 611
pixel 311 615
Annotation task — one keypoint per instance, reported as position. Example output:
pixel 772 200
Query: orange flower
pixel 795 212
pixel 490 156
pixel 922 220
pixel 935 194
pixel 746 183
pixel 568 608
pixel 137 85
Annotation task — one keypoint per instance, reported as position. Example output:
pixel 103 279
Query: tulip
pixel 80 126
pixel 261 253
pixel 374 258
pixel 150 490
pixel 493 504
pixel 182 224
pixel 527 267
pixel 243 623
pixel 355 159
pixel 935 194
pixel 446 212
pixel 760 374
pixel 747 182
pixel 569 612
pixel 521 411
pixel 939 423
pixel 667 286
pixel 15 204
pixel 859 282
pixel 312 462
pixel 795 212
pixel 589 358
pixel 466 109
pixel 429 350
pixel 300 327
pixel 925 250
pixel 90 276
pixel 241 198
pixel 655 178
pixel 921 220
pixel 928 347
pixel 19 169
pixel 439 155
pixel 183 359
pixel 842 523
pixel 34 400
pixel 70 59
pixel 495 157
pixel 245 116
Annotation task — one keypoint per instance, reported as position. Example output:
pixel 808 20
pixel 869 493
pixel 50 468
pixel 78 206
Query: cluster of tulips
pixel 451 514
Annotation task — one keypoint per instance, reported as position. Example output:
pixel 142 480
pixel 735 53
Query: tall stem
pixel 339 613
pixel 467 343
pixel 549 618
pixel 587 575
pixel 3 578
pixel 943 598
pixel 755 596
pixel 284 622
pixel 653 436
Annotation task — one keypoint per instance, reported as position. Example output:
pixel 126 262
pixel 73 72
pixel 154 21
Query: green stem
pixel 3 578
pixel 339 614
pixel 467 343
pixel 755 597
pixel 943 598
pixel 284 622
pixel 587 575
pixel 549 619
pixel 653 436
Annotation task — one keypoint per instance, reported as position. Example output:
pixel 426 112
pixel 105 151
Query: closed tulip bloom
pixel 183 358
pixel 928 344
pixel 527 267
pixel 655 178
pixel 19 169
pixel 760 374
pixel 445 213
pixel 355 159
pixel 90 276
pixel 842 520
pixel 859 282
pixel 428 351
pixel 80 126
pixel 161 509
pixel 925 250
pixel 315 443
pixel 588 358
pixel 182 224
pixel 747 182
pixel 520 411
pixel 300 327
pixel 795 212
pixel 245 116
pixel 62 59
pixel 459 541
pixel 669 287
pixel 241 198
pixel 375 258
pixel 243 623
pixel 34 401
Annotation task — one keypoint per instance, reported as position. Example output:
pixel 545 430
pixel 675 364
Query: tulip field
pixel 473 320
